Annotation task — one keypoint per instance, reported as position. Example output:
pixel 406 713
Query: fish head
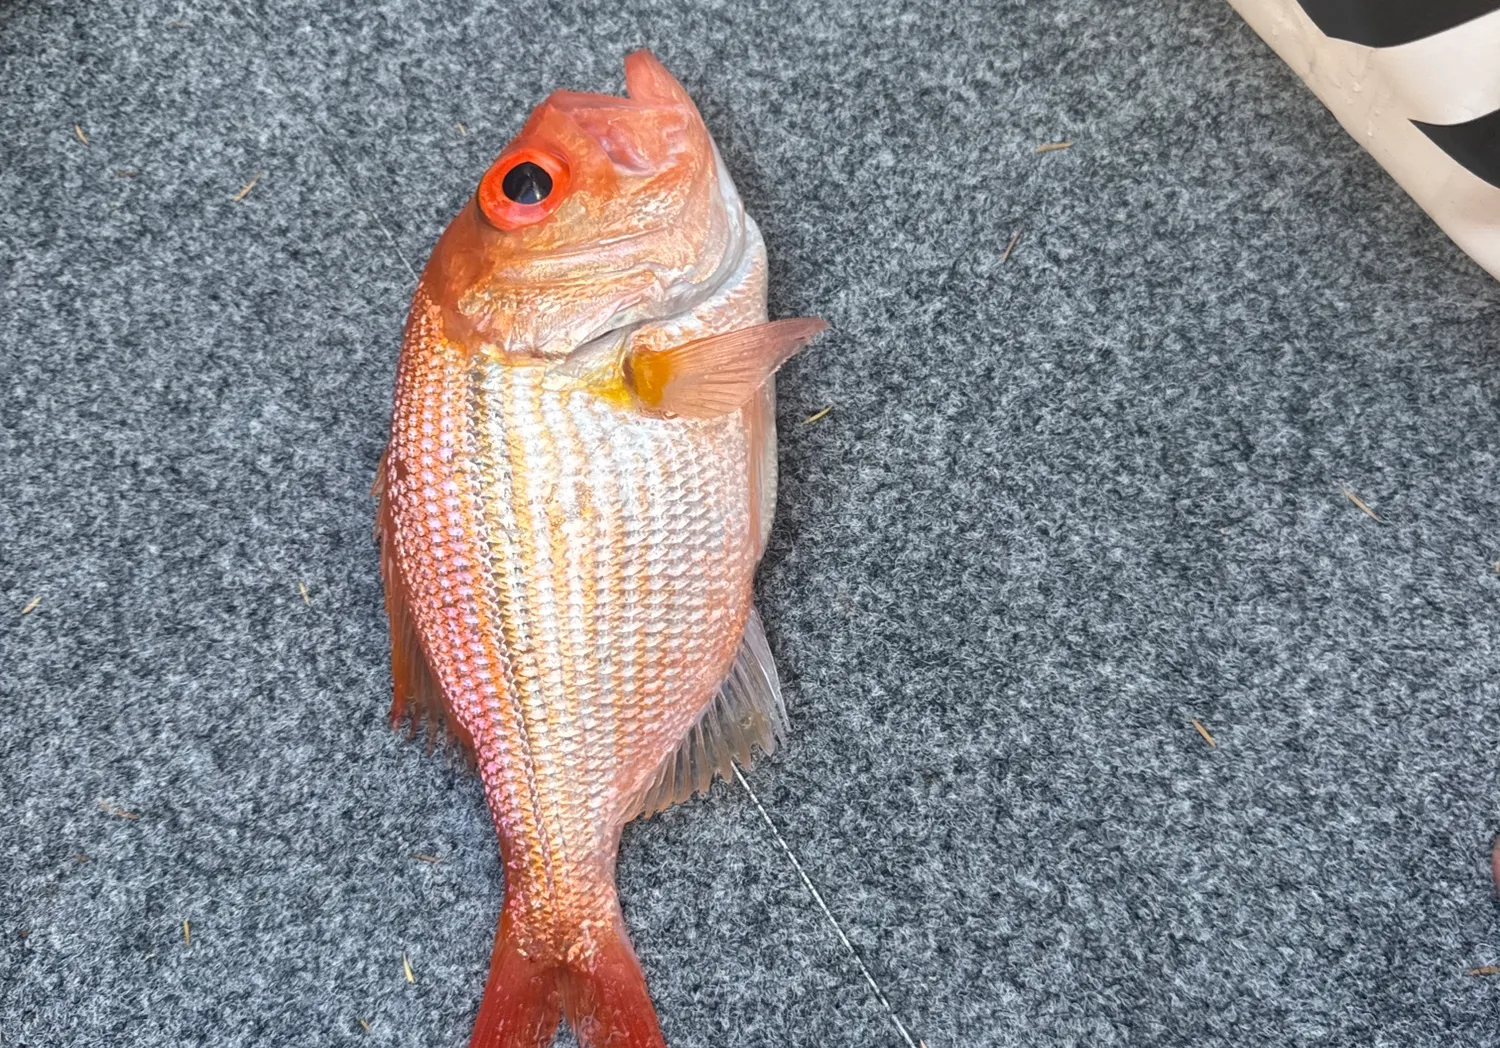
pixel 604 213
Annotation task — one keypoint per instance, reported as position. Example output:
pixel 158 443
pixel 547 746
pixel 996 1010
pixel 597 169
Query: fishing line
pixel 818 898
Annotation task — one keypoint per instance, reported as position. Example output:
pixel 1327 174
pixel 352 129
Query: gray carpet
pixel 1065 502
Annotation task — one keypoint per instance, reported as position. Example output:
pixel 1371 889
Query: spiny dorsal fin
pixel 417 700
pixel 746 714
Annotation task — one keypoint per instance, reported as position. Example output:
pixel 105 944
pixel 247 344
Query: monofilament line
pixel 818 898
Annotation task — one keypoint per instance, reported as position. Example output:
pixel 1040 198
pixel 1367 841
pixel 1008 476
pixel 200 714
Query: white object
pixel 1417 83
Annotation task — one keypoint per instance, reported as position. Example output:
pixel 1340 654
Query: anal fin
pixel 417 701
pixel 745 715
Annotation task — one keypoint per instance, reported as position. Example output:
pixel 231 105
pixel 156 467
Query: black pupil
pixel 527 184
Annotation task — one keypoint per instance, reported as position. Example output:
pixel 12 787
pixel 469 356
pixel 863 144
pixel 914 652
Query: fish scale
pixel 685 500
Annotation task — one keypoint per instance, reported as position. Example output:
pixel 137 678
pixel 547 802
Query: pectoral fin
pixel 718 374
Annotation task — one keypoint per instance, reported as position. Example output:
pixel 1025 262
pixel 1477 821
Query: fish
pixel 578 487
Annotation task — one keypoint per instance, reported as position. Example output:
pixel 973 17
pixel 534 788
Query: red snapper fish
pixel 579 484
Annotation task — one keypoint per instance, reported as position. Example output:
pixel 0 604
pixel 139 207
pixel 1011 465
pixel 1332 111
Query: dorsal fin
pixel 746 714
pixel 417 698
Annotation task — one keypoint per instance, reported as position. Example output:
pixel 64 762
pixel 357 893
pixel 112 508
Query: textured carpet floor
pixel 1065 503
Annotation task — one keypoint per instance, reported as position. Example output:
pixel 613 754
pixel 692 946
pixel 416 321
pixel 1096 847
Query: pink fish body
pixel 578 487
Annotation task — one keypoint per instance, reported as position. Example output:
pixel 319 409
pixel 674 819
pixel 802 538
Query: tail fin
pixel 522 1002
pixel 604 995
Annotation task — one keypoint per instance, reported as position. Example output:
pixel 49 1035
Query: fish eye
pixel 522 188
pixel 526 183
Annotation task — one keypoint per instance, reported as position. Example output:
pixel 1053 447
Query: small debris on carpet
pixel 245 189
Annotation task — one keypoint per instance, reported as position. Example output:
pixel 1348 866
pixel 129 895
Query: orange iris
pixel 523 187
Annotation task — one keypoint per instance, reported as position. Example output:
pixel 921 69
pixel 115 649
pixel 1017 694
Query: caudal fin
pixel 604 996
pixel 522 1000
